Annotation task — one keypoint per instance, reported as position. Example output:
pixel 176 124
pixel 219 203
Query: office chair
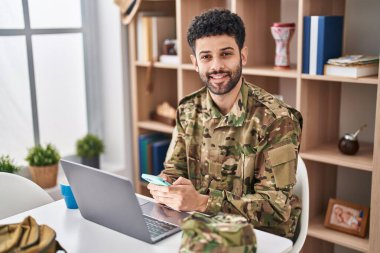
pixel 19 194
pixel 301 189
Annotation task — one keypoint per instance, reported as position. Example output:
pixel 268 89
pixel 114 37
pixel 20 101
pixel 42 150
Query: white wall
pixel 287 87
pixel 116 130
pixel 358 101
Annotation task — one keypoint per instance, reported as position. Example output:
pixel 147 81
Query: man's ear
pixel 194 61
pixel 244 55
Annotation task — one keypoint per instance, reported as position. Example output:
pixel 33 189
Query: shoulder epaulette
pixel 276 106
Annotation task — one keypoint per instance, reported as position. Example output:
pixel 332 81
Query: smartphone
pixel 155 180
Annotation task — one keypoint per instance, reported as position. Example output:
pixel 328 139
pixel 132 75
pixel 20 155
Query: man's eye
pixel 205 57
pixel 226 53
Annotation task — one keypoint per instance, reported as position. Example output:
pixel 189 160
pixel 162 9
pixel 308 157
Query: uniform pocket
pixel 283 161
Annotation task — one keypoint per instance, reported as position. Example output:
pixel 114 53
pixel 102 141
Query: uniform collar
pixel 237 114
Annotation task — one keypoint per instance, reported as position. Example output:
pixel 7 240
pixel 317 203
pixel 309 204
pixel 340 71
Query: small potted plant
pixel 43 165
pixel 89 148
pixel 7 165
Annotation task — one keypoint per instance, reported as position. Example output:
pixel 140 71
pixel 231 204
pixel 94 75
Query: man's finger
pixel 166 178
pixel 157 187
pixel 182 180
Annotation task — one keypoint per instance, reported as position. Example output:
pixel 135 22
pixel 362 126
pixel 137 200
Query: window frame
pixel 90 61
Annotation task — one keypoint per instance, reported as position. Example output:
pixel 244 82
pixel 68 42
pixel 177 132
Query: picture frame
pixel 347 217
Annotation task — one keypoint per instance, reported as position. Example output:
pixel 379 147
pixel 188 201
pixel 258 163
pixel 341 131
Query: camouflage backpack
pixel 223 233
pixel 28 237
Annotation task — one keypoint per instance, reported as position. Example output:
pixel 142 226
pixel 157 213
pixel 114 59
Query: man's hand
pixel 180 196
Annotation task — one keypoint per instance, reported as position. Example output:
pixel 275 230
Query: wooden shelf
pixel 270 71
pixel 319 231
pixel 329 153
pixel 365 80
pixel 155 126
pixel 157 65
pixel 187 67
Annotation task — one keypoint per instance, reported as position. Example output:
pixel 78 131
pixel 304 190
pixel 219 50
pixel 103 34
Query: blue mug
pixel 68 196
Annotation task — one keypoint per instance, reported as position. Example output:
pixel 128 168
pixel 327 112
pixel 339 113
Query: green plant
pixel 40 156
pixel 90 146
pixel 7 165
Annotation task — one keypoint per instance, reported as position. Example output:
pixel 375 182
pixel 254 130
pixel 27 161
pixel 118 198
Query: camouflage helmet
pixel 223 233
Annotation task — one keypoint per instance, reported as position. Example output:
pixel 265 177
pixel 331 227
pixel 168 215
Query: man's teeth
pixel 218 76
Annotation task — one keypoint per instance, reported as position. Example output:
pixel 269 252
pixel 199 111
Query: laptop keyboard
pixel 156 227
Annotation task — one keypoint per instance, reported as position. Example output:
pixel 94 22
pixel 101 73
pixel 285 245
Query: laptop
pixel 109 200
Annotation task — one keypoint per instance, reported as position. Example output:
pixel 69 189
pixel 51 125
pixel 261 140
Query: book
pixel 306 44
pixel 145 151
pixel 159 149
pixel 144 37
pixel 313 45
pixel 352 71
pixel 356 59
pixel 326 33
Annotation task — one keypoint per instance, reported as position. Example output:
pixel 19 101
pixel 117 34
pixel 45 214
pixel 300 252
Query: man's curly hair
pixel 216 22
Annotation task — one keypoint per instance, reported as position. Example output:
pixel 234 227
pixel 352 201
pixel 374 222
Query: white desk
pixel 78 235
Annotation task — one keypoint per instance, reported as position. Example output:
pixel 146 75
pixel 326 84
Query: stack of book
pixel 353 66
pixel 322 40
pixel 152 152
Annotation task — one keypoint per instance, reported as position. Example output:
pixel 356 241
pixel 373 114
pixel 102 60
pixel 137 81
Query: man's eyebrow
pixel 227 48
pixel 204 52
pixel 222 49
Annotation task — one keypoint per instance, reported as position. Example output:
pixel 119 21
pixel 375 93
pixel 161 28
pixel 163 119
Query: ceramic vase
pixel 282 34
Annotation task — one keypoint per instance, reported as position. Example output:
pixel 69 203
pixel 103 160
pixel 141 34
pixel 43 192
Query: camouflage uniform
pixel 245 161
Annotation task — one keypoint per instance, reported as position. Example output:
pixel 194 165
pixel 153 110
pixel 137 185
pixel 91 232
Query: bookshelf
pixel 317 97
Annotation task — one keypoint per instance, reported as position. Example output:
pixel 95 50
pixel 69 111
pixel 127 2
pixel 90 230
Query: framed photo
pixel 347 217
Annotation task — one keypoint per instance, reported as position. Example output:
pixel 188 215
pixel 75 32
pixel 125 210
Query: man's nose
pixel 217 64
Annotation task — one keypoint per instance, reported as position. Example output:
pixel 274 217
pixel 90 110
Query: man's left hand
pixel 181 196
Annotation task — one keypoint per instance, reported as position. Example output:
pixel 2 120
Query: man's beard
pixel 233 75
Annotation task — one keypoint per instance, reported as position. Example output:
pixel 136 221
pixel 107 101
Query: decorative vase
pixel 282 34
pixel 44 176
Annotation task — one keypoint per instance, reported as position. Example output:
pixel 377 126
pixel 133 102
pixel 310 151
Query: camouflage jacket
pixel 245 160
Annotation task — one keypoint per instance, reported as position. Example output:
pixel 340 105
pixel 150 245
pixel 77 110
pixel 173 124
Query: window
pixel 43 75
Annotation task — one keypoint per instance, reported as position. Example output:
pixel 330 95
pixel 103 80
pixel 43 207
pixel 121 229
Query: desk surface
pixel 77 234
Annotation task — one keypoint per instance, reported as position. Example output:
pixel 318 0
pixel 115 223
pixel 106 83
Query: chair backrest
pixel 301 189
pixel 19 194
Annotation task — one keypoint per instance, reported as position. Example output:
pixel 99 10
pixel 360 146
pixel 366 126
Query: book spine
pixel 159 150
pixel 141 154
pixel 313 45
pixel 332 40
pixel 321 46
pixel 306 44
pixel 329 41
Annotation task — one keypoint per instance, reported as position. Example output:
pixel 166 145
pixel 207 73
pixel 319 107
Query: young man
pixel 237 145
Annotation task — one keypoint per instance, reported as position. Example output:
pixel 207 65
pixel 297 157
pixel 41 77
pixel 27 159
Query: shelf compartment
pixel 330 154
pixel 155 126
pixel 271 72
pixel 365 80
pixel 156 65
pixel 319 231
